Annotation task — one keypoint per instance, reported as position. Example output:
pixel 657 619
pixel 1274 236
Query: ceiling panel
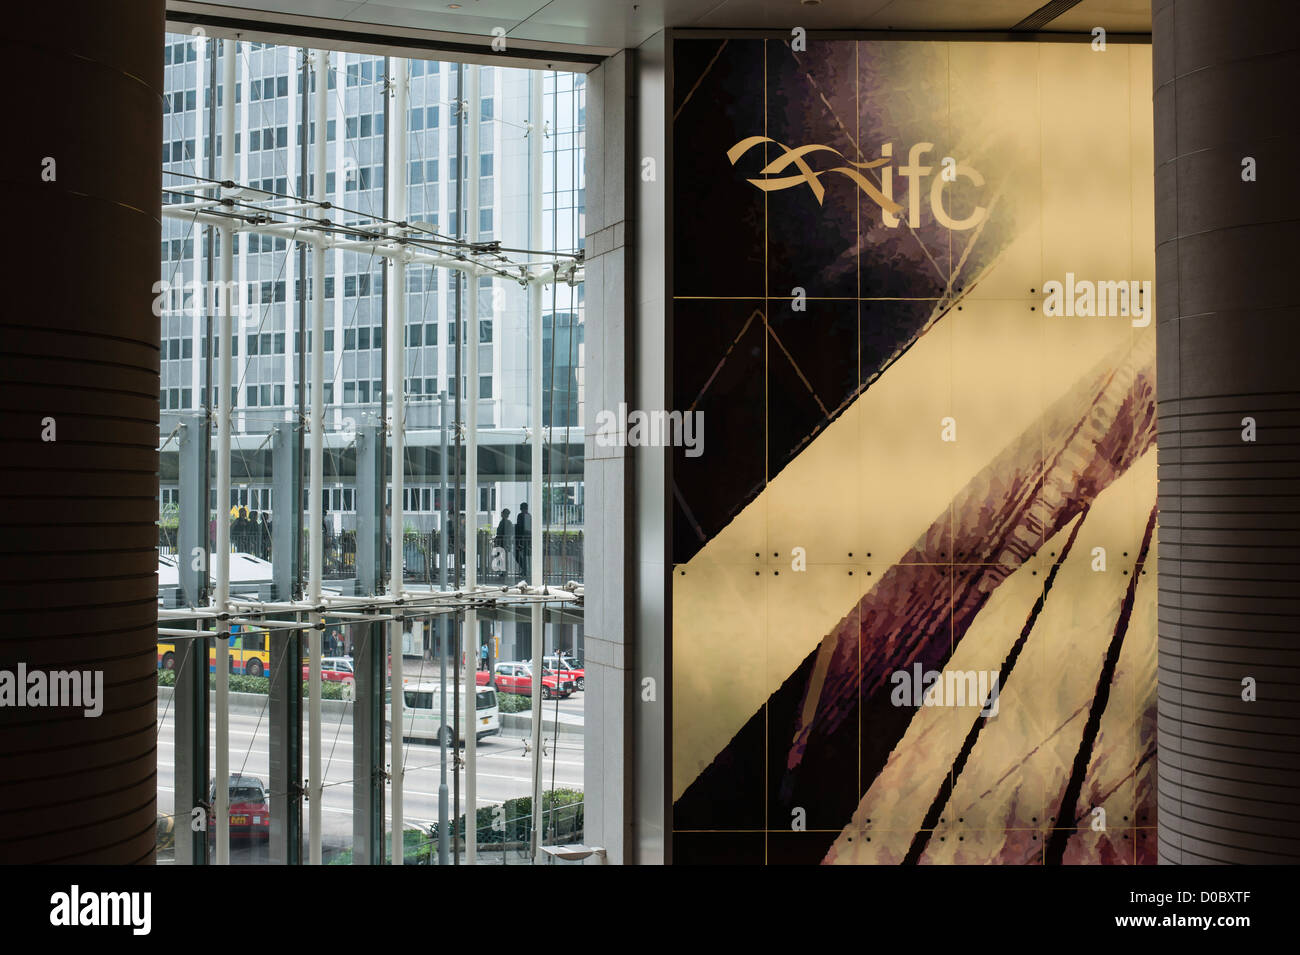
pixel 513 10
pixel 787 14
pixel 616 24
pixel 951 14
pixel 471 19
pixel 329 9
pixel 1115 16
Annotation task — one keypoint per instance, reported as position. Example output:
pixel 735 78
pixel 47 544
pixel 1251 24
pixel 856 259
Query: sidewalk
pixel 256 704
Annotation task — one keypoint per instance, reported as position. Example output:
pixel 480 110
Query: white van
pixel 422 715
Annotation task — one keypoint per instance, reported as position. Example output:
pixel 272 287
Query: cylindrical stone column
pixel 80 180
pixel 1228 244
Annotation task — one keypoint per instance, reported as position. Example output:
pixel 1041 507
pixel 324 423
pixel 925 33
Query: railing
pixel 505 838
pixel 252 539
pixel 499 560
pixel 569 515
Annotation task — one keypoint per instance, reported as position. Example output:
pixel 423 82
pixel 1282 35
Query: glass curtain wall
pixel 270 391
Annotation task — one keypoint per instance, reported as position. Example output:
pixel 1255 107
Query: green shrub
pixel 329 690
pixel 247 684
pixel 514 703
pixel 562 818
pixel 418 848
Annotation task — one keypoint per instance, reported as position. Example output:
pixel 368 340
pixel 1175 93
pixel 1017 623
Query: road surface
pixel 504 771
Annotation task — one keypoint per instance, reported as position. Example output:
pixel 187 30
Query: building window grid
pixel 561 196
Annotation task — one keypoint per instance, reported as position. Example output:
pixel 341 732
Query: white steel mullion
pixel 471 479
pixel 396 381
pixel 535 346
pixel 316 482
pixel 225 413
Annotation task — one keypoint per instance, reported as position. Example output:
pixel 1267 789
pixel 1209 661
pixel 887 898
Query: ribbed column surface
pixel 1228 240
pixel 80 179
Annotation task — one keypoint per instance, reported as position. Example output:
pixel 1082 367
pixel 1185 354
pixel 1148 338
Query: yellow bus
pixel 250 653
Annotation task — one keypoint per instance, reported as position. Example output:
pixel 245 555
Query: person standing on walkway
pixel 506 541
pixel 523 532
pixel 239 533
